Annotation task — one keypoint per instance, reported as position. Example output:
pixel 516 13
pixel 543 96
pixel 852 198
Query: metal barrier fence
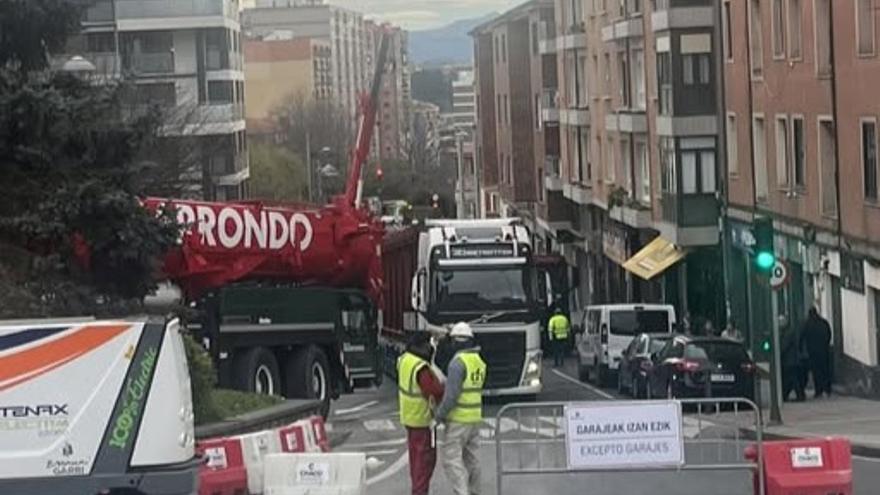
pixel 715 433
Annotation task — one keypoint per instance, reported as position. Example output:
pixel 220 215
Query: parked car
pixel 691 367
pixel 635 363
pixel 608 329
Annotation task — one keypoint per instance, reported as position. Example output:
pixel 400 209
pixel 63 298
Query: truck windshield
pixel 480 289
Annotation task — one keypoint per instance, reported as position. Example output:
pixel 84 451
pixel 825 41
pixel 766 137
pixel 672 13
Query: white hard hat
pixel 461 330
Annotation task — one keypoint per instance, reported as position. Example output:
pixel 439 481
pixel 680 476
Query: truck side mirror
pixel 418 302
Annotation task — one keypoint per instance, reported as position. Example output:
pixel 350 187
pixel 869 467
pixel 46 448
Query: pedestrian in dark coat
pixel 816 341
pixel 792 366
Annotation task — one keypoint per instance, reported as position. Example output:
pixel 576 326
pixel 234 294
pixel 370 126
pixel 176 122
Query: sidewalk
pixel 840 416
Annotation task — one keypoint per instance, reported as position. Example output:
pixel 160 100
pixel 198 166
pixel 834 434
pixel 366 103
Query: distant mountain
pixel 449 44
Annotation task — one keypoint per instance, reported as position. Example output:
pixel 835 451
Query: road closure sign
pixel 621 435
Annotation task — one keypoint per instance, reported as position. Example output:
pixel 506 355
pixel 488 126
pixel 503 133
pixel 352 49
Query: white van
pixel 92 406
pixel 608 329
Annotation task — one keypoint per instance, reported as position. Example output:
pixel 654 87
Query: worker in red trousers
pixel 419 390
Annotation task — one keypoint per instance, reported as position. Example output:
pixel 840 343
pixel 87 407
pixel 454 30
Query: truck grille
pixel 503 353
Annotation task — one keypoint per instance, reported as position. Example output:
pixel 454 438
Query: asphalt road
pixel 366 421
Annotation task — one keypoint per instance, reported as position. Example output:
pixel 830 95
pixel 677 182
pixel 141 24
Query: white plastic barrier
pixel 255 447
pixel 315 474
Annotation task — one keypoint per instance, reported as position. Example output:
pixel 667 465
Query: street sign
pixel 629 434
pixel 779 275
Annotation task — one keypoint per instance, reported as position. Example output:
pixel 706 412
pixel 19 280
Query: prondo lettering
pixel 133 396
pixel 236 227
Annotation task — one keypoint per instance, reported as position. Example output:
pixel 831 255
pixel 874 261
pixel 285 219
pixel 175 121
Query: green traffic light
pixel 765 346
pixel 765 260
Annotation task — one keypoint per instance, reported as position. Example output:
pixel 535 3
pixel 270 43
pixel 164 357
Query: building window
pixel 759 135
pixel 698 166
pixel 732 151
pixel 795 29
pixel 623 84
pixel 506 110
pixel 500 114
pixel 728 32
pixel 798 151
pixel 639 79
pixel 504 48
pixel 611 163
pixel 644 173
pixel 827 167
pixel 865 27
pixel 537 111
pixel 778 27
pixel 667 165
pixel 220 92
pixel 664 81
pixel 783 164
pixel 696 69
pixel 626 163
pixel 756 32
pixel 583 155
pixel 161 94
pixel 540 184
pixel 869 158
pixel 497 49
pixel 606 89
pixel 821 16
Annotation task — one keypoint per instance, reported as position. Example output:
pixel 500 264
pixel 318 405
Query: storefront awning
pixel 654 258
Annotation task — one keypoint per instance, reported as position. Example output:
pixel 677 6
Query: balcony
pixel 681 14
pixel 547 43
pixel 165 9
pixel 552 174
pixel 623 29
pixel 205 120
pixel 579 193
pixel 689 220
pixel 150 63
pixel 574 117
pixel 700 125
pixel 630 121
pixel 636 217
pixel 575 38
pixel 549 107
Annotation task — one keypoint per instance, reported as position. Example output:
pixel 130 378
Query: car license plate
pixel 723 377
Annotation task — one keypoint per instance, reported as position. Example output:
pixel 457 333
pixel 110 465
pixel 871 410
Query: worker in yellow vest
pixel 419 390
pixel 558 327
pixel 462 412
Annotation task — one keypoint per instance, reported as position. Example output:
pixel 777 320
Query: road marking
pixel 379 425
pixel 402 461
pixel 381 443
pixel 361 407
pixel 584 385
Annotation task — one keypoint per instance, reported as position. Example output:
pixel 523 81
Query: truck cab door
pixel 360 338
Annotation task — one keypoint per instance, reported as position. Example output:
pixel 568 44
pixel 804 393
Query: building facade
pixel 395 97
pixel 277 70
pixel 464 121
pixel 802 149
pixel 509 73
pixel 345 30
pixel 187 59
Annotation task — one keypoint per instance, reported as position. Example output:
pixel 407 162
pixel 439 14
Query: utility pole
pixel 309 170
pixel 775 361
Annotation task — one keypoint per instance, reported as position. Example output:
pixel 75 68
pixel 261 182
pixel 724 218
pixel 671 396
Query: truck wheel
pixel 256 370
pixel 308 376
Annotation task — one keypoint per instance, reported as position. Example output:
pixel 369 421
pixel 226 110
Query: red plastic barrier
pixel 294 437
pixel 806 467
pixel 320 431
pixel 223 472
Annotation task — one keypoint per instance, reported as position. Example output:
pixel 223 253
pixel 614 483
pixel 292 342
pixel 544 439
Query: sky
pixel 424 14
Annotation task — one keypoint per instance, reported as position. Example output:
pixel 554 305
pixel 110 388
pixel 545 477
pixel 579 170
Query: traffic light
pixel 765 345
pixel 765 258
pixel 380 174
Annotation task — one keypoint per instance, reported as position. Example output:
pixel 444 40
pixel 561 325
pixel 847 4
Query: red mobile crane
pixel 288 296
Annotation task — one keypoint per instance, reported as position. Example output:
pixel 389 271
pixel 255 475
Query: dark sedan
pixel 635 363
pixel 692 367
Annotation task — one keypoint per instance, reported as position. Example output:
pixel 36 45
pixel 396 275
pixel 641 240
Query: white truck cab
pixel 482 272
pixel 608 329
pixel 92 407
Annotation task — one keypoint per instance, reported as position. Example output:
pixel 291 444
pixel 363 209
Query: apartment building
pixel 344 29
pixel 464 121
pixel 426 129
pixel 395 96
pixel 277 70
pixel 632 194
pixel 802 139
pixel 509 79
pixel 185 57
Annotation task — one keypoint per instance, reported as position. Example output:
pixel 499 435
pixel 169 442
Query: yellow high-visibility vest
pixel 415 411
pixel 558 327
pixel 469 408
